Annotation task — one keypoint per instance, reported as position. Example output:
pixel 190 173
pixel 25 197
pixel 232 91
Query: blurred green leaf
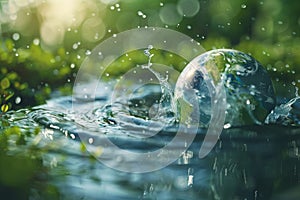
pixel 5 83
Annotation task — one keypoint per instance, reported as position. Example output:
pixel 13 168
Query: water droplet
pixel 190 180
pixel 18 100
pixel 75 46
pixel 88 52
pixel 72 136
pixel 16 36
pixel 243 6
pixel 36 41
pixel 189 27
pixel 227 126
pixel 96 36
pixel 248 102
pixel 161 4
pixel 112 7
pixel 140 13
pixel 72 66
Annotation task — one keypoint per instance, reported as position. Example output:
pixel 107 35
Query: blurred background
pixel 43 42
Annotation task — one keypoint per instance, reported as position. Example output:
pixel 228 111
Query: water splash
pixel 166 102
pixel 287 114
pixel 144 108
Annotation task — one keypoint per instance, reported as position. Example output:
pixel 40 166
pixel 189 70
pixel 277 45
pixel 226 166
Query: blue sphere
pixel 249 91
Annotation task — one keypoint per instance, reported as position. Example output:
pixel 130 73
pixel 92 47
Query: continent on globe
pixel 249 91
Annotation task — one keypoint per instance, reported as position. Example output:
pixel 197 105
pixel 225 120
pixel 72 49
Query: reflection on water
pixel 237 168
pixel 253 162
pixel 249 162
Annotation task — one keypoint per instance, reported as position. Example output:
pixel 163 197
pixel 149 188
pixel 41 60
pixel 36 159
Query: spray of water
pixel 166 102
pixel 283 114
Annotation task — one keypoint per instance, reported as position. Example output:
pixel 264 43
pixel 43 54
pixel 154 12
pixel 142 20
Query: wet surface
pixel 248 162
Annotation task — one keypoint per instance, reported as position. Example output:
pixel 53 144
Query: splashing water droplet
pixel 36 41
pixel 75 46
pixel 72 66
pixel 88 52
pixel 18 100
pixel 141 14
pixel 286 114
pixel 166 103
pixel 148 54
pixel 16 36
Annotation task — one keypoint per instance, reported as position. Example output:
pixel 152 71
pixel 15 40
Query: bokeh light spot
pixel 188 8
pixel 169 14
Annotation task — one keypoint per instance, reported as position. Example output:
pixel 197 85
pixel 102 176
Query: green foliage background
pixel 31 71
pixel 268 29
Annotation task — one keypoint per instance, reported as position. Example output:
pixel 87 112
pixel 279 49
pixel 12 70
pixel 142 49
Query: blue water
pixel 248 162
